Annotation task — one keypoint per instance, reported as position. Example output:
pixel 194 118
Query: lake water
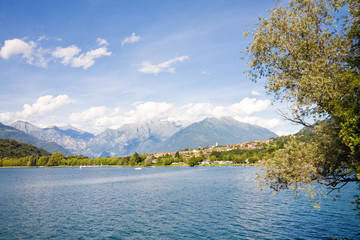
pixel 161 203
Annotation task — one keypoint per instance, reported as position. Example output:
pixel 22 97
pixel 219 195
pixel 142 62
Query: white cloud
pixel 149 110
pixel 17 47
pixel 147 67
pixel 66 54
pixel 6 117
pixel 249 106
pixel 39 56
pixel 89 114
pixel 102 42
pixel 255 93
pixel 87 60
pixel 266 123
pixel 42 106
pixel 283 133
pixel 131 39
pixel 101 117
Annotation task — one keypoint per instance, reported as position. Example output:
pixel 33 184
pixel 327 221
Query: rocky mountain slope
pixel 210 131
pixel 68 137
pixel 132 138
pixel 18 135
pixel 150 136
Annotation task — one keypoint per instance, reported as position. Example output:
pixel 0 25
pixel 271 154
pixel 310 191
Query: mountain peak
pixel 207 132
pixel 24 126
pixel 222 120
pixel 69 127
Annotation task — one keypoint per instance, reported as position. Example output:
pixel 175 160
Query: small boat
pixel 138 168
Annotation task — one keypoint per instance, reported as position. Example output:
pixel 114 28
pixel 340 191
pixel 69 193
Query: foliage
pixel 148 161
pixel 13 149
pixel 309 53
pixel 192 161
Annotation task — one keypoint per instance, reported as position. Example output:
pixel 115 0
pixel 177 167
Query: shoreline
pixel 99 166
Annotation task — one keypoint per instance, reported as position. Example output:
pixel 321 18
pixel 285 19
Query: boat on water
pixel 138 168
pixel 90 166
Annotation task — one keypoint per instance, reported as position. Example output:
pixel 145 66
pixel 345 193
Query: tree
pixel 213 158
pixel 32 160
pixel 192 161
pixel 168 161
pixel 309 53
pixel 55 159
pixel 42 161
pixel 148 160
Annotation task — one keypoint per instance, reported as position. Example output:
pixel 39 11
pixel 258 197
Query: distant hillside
pixel 210 131
pixel 14 149
pixel 13 133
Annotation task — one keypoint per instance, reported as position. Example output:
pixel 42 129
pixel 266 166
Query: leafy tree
pixel 192 161
pixel 309 56
pixel 134 159
pixel 168 161
pixel 55 159
pixel 32 160
pixel 217 154
pixel 42 161
pixel 213 158
pixel 148 160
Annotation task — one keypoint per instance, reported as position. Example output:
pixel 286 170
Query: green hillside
pixel 10 148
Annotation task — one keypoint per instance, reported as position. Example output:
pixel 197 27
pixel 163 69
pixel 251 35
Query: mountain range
pixel 150 136
pixel 8 132
pixel 210 131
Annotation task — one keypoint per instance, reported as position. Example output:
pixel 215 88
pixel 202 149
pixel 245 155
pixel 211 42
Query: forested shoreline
pixel 14 155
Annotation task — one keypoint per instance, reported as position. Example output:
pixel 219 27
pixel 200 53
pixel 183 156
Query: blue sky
pixel 100 64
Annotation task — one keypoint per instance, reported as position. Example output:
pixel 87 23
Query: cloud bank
pixel 98 118
pixel 42 106
pixel 38 56
pixel 101 117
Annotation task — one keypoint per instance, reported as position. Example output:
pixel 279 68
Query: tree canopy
pixel 309 53
pixel 10 148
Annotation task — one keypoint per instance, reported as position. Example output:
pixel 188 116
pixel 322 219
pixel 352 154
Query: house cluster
pixel 207 150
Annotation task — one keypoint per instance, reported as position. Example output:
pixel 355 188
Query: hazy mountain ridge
pixel 210 131
pixel 9 132
pixel 151 136
pixel 132 138
pixel 74 141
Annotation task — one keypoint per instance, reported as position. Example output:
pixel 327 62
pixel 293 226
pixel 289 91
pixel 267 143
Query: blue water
pixel 161 203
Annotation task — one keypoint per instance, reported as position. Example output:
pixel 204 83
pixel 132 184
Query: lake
pixel 162 203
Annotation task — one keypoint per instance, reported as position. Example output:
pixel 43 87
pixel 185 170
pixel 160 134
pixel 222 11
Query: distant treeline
pixel 13 153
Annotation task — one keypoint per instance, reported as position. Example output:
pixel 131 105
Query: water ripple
pixel 160 203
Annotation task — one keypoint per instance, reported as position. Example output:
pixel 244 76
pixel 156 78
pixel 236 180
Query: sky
pixel 97 64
